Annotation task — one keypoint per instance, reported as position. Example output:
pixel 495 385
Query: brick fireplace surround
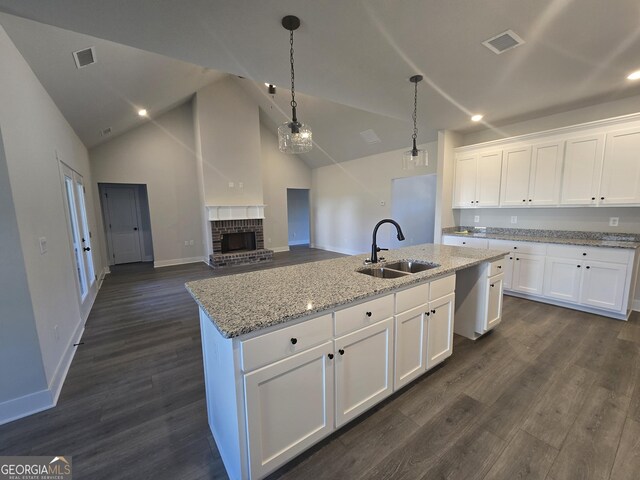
pixel 221 227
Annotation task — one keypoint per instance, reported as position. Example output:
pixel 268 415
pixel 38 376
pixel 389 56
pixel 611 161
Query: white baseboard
pixel 330 248
pixel 279 249
pixel 635 305
pixel 26 405
pixel 177 261
pixel 55 386
pixel 300 242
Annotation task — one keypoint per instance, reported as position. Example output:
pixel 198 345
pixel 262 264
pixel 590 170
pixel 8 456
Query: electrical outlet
pixel 613 221
pixel 230 184
pixel 43 245
pixel 476 219
pixel 240 185
pixel 514 219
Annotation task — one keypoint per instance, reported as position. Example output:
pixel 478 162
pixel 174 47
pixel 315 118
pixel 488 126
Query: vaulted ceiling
pixel 360 53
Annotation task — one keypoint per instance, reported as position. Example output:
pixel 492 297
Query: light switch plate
pixel 476 219
pixel 514 219
pixel 613 221
pixel 43 245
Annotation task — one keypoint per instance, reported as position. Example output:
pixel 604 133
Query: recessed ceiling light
pixel 476 118
pixel 142 112
pixel 634 75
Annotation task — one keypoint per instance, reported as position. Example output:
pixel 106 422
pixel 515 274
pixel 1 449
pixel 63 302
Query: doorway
pixel 127 224
pixel 79 234
pixel 413 206
pixel 298 216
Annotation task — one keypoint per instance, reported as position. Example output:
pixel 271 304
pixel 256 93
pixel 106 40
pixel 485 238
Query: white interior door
pixel 79 234
pixel 123 227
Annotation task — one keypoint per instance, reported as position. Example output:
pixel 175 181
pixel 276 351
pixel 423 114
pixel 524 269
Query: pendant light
pixel 293 136
pixel 414 157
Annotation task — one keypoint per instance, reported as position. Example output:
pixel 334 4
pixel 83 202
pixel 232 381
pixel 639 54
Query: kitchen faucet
pixel 374 246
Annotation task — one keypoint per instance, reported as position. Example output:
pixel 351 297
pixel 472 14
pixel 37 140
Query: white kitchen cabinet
pixel 562 277
pixel 493 315
pixel 621 169
pixel 546 173
pixel 489 171
pixel 289 407
pixel 464 191
pixel 603 285
pixel 528 273
pixel 582 170
pixel 363 369
pixel 516 166
pixel 508 272
pixel 458 241
pixel 477 179
pixel 440 330
pixel 410 338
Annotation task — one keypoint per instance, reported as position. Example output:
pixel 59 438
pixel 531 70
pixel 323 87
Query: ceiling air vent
pixel 503 42
pixel 85 57
pixel 105 132
pixel 370 136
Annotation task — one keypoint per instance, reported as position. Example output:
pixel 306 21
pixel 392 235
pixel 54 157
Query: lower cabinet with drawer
pixel 273 394
pixel 424 330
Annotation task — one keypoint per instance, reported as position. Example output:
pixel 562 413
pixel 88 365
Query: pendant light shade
pixel 415 157
pixel 293 136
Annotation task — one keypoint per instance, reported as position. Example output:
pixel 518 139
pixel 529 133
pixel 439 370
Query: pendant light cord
pixel 415 116
pixel 293 77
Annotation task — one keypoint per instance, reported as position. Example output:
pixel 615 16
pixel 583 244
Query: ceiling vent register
pixel 85 57
pixel 503 42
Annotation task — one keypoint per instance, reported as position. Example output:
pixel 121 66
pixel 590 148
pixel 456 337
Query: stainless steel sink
pixel 410 266
pixel 398 269
pixel 382 272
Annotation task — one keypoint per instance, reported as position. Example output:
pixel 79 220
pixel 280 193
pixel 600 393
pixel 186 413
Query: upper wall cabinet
pixel 477 179
pixel 596 164
pixel 515 176
pixel 582 167
pixel 546 173
pixel 621 169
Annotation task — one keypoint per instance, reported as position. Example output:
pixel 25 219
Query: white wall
pixel 227 120
pixel 298 213
pixel 447 141
pixel 279 172
pixel 19 340
pixel 346 200
pixel 161 155
pixel 33 131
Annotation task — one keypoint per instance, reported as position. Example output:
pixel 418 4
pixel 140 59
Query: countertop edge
pixel 621 244
pixel 412 280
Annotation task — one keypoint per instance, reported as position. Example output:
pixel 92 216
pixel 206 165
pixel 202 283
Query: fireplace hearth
pixel 238 242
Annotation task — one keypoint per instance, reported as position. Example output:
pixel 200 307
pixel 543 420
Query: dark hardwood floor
pixel 551 394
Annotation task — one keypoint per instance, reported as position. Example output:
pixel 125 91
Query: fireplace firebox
pixel 238 242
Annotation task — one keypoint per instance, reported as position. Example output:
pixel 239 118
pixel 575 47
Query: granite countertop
pixel 585 239
pixel 240 304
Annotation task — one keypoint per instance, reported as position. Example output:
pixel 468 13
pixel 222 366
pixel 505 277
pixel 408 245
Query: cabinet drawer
pixel 522 247
pixel 412 297
pixel 364 314
pixel 613 255
pixel 267 348
pixel 496 267
pixel 442 286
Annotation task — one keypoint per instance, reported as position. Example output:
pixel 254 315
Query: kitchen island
pixel 293 353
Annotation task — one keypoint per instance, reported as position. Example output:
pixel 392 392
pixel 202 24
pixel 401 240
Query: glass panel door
pixel 79 234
